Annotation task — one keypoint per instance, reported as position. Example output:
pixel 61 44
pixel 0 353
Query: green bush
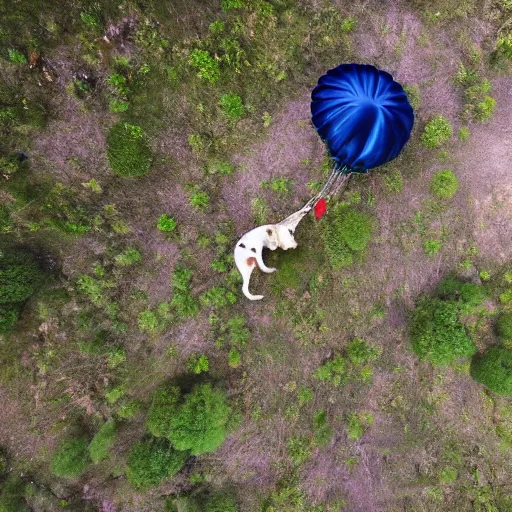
pixel 359 352
pixel 20 276
pixel 217 297
pixel 102 442
pixel 128 257
pixel 347 234
pixel 437 334
pixel 232 106
pixel 484 109
pixel 493 369
pixel 9 314
pixel 221 503
pixel 208 67
pixel 128 150
pixel 437 131
pixel 166 223
pixel 182 300
pixel 357 423
pixel 16 56
pixel 162 410
pixel 151 461
pixel 469 294
pixel 444 184
pixel 12 495
pixel 200 424
pixel 71 457
pixel 504 327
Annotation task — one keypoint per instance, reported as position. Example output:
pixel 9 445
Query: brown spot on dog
pixel 269 232
pixel 251 261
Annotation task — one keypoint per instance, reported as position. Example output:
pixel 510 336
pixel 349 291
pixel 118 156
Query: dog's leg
pixel 261 264
pixel 246 272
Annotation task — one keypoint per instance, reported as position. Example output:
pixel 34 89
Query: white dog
pixel 248 250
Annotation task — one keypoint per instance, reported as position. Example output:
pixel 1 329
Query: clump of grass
pixel 220 167
pixel 217 297
pixel 432 246
pixel 464 134
pixel 232 106
pixel 448 475
pixel 413 95
pixel 99 448
pixel 479 105
pixel 444 184
pixel 207 66
pixel 493 369
pixel 234 358
pixel 151 461
pixel 148 321
pixel 437 131
pixel 166 223
pixel 394 182
pixel 334 371
pixel 280 185
pixel 128 150
pixel 71 457
pixel 346 235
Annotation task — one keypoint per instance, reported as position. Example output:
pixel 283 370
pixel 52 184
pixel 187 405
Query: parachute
pixel 364 118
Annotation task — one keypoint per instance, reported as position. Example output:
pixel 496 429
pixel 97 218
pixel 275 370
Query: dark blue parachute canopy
pixel 362 115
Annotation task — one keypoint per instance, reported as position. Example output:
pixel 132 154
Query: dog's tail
pixel 248 294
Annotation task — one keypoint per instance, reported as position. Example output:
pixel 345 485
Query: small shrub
pixel 432 247
pixel 504 327
pixel 186 305
pixel 16 56
pixel 199 199
pixel 71 457
pixel 234 358
pixel 347 234
pixel 470 295
pixel 484 109
pixel 448 475
pixel 305 395
pixel 12 492
pixel 357 423
pixel 444 184
pixel 437 131
pixel 118 83
pixel 9 314
pixel 208 67
pixel 298 449
pixel 166 223
pixel 200 423
pixel 259 210
pixel 117 106
pixel 151 461
pixel 20 276
pixel 237 331
pixel 128 409
pixel 198 364
pixel 220 167
pixel 128 150
pixel 217 297
pixel 359 352
pixel 217 27
pixel 221 503
pixel 162 410
pixel 232 106
pixel 348 24
pixel 227 5
pixel 112 395
pixel 322 431
pixel 437 333
pixel 128 257
pixel 504 45
pixel 99 448
pixel 464 134
pixel 493 369
pixel 334 371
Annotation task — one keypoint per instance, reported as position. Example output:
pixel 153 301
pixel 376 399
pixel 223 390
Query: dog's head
pixel 285 237
pixel 271 240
